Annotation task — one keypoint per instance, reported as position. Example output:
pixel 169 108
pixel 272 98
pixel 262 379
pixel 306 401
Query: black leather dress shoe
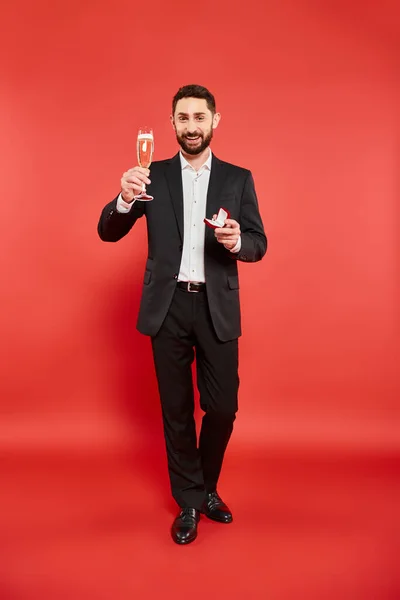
pixel 184 528
pixel 215 509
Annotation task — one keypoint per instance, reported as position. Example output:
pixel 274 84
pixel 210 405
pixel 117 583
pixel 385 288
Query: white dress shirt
pixel 195 188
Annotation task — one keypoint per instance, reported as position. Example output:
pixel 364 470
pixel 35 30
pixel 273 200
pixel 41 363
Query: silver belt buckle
pixel 190 289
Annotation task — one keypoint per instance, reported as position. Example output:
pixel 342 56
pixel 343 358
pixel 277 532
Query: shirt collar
pixel 185 164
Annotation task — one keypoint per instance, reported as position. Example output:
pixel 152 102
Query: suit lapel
pixel 173 173
pixel 217 178
pixel 215 185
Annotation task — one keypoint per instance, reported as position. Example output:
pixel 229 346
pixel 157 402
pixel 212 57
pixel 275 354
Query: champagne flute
pixel 145 148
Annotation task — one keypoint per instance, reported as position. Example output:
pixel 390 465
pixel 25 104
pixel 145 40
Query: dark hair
pixel 194 91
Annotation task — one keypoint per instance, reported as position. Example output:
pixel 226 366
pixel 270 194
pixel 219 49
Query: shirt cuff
pixel 122 206
pixel 237 247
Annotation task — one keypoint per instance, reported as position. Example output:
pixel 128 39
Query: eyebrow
pixel 197 114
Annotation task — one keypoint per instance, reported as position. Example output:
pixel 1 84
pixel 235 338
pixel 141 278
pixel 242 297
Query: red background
pixel 309 96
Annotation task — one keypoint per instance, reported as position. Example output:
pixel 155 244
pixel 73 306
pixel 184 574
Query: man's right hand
pixel 132 183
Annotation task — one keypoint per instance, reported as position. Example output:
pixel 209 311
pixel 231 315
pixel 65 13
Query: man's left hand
pixel 229 234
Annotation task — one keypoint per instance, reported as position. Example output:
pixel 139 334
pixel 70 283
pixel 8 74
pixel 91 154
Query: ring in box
pixel 219 221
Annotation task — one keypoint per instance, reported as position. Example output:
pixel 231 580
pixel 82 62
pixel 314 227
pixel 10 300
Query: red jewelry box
pixel 223 214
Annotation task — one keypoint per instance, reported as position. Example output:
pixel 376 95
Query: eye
pixel 182 119
pixel 200 118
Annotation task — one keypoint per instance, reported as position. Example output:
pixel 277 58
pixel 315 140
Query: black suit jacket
pixel 229 187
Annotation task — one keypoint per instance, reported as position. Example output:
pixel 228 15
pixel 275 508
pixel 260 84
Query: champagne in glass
pixel 145 148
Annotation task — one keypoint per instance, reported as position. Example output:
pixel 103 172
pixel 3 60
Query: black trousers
pixel 188 332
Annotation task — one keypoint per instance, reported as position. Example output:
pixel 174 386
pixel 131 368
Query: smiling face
pixel 194 124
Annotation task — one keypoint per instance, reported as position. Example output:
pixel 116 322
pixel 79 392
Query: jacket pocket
pixel 147 277
pixel 233 282
pixel 227 196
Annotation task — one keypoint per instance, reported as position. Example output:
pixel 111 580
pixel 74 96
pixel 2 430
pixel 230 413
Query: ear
pixel 216 120
pixel 171 118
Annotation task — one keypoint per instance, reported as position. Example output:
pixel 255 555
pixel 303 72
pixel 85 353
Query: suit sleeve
pixel 114 225
pixel 254 241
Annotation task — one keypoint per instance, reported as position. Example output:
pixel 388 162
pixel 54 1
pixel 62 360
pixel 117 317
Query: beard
pixel 202 144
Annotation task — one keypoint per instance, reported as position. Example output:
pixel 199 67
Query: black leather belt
pixel 191 286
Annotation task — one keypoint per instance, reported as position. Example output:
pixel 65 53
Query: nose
pixel 191 126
